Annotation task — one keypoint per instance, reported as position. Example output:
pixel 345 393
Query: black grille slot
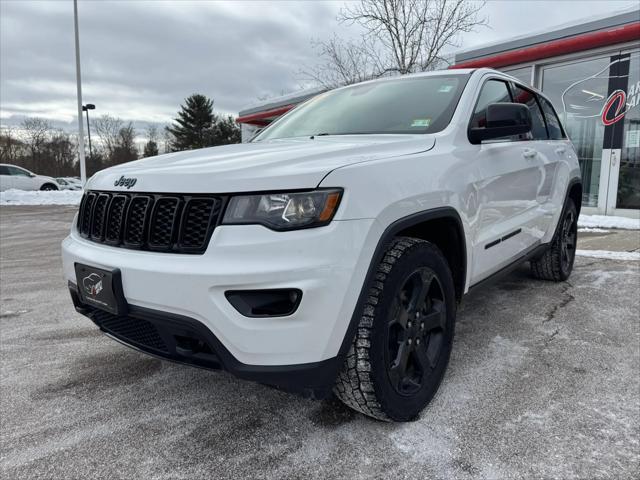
pixel 115 219
pixel 86 211
pixel 195 222
pixel 178 223
pixel 136 221
pixel 131 329
pixel 99 211
pixel 161 231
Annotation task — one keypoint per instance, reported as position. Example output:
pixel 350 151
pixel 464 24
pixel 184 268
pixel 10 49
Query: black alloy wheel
pixel 416 331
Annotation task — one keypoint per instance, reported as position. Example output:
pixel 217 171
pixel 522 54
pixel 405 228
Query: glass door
pixel 621 115
pixel 599 100
pixel 578 90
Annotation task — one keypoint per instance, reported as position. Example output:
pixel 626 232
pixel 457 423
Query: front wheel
pixel 402 346
pixel 48 187
pixel 556 263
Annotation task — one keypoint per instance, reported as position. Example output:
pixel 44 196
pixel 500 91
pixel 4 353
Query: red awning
pixel 264 117
pixel 586 41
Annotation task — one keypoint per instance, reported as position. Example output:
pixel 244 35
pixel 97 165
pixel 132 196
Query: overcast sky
pixel 140 59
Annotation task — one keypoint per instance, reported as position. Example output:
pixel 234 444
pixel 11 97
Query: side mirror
pixel 503 120
pixel 32 175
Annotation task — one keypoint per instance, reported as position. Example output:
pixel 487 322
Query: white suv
pixel 330 252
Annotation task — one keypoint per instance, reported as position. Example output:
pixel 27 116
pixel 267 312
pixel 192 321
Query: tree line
pixel 37 146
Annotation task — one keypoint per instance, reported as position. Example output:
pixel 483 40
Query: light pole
pixel 86 108
pixel 83 170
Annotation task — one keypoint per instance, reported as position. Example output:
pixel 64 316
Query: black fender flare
pixel 383 243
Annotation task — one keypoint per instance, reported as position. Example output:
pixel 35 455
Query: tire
pixel 556 263
pixel 392 323
pixel 48 187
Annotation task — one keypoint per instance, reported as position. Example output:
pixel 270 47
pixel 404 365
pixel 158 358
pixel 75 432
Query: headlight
pixel 284 211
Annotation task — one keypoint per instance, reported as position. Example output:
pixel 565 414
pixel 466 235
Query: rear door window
pixel 528 98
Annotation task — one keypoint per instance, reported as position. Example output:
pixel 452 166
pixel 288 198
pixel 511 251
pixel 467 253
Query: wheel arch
pixel 44 184
pixel 575 193
pixel 421 225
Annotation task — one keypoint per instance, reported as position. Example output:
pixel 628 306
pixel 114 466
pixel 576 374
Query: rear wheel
pixel 404 338
pixel 556 263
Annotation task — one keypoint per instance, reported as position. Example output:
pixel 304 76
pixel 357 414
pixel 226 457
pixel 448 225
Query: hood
pixel 246 167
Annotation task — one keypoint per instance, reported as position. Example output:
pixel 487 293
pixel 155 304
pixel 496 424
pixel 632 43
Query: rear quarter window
pixel 553 122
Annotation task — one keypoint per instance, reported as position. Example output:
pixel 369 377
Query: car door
pixel 6 180
pixel 507 175
pixel 548 153
pixel 22 179
pixel 559 149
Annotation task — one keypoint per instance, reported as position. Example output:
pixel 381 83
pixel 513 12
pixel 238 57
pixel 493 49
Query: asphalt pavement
pixel 543 383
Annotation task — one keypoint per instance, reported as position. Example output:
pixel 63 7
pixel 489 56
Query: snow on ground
pixel 609 255
pixel 606 221
pixel 38 197
pixel 592 230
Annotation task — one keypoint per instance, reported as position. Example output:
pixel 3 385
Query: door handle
pixel 561 150
pixel 529 153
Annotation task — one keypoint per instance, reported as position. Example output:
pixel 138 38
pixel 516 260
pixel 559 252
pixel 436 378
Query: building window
pixel 523 74
pixel 577 96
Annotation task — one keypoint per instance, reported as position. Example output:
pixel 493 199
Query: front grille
pixel 178 223
pixel 132 330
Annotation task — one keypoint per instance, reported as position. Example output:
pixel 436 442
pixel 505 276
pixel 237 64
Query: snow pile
pixel 39 197
pixel 592 230
pixel 605 221
pixel 609 255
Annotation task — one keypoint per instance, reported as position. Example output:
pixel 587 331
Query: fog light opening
pixel 265 303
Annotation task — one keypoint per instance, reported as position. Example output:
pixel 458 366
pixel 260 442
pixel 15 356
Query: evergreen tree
pixel 192 128
pixel 226 131
pixel 150 149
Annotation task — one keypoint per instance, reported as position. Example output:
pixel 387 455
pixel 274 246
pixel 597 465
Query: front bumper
pixel 185 340
pixel 327 264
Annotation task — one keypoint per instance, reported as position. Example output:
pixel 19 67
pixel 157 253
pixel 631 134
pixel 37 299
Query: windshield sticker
pixel 445 88
pixel 421 122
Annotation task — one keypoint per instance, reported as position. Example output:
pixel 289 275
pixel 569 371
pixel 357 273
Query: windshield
pixel 403 105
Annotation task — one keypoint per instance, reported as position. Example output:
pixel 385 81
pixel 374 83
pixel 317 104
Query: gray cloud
pixel 140 59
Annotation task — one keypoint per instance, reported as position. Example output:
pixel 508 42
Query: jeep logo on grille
pixel 125 182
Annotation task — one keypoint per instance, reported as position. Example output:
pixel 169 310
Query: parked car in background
pixel 68 184
pixel 20 178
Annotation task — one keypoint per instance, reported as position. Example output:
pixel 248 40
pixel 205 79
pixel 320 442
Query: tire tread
pixel 354 385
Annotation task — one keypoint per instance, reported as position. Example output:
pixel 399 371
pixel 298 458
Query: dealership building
pixel 591 73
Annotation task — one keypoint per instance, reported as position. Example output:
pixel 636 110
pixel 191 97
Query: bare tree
pixel 345 62
pixel 108 130
pixel 36 132
pixel 400 37
pixel 61 154
pixel 125 148
pixel 167 140
pixel 11 147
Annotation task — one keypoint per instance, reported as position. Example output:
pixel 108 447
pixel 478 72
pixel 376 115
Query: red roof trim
pixel 555 48
pixel 259 118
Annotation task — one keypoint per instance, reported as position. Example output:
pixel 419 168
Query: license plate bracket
pixel 101 288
